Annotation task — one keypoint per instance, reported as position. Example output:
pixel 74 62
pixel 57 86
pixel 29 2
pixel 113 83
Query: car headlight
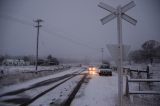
pixel 94 68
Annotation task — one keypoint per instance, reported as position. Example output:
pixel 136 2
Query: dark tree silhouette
pixel 150 51
pixel 49 57
pixel 149 48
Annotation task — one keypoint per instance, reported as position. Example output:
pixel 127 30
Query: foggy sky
pixel 72 28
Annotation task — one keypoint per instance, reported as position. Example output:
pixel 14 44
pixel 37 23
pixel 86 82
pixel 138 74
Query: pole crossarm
pixel 38 20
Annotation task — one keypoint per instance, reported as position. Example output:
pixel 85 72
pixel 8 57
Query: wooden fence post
pixel 127 86
pixel 148 76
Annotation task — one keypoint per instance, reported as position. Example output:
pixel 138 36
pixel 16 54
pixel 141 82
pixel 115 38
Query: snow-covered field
pixel 26 84
pixel 21 69
pixel 18 74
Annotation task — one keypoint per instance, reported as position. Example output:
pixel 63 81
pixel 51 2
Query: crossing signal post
pixel 120 14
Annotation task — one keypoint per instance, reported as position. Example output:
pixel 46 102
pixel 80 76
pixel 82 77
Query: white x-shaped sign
pixel 114 12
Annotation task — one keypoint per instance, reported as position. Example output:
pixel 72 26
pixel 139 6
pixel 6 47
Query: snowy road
pixel 100 91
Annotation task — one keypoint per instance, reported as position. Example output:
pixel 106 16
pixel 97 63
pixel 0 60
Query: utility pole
pixel 102 50
pixel 37 26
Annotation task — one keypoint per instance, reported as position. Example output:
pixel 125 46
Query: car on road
pixel 105 69
pixel 91 69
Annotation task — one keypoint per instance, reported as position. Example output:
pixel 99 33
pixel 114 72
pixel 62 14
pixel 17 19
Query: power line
pixel 67 38
pixel 14 19
pixel 24 22
pixel 46 47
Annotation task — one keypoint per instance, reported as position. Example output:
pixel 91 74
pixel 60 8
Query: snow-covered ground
pixel 95 91
pixel 58 95
pixel 16 74
pixel 100 91
pixel 55 96
pixel 33 81
pixel 21 69
pixel 103 91
pixel 144 99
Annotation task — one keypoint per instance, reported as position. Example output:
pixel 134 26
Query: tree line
pixel 149 52
pixel 49 60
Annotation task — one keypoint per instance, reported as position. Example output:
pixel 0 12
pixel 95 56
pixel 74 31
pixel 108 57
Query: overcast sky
pixel 72 28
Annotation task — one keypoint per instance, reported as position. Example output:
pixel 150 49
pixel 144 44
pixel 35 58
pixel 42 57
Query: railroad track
pixel 22 101
pixel 39 84
pixel 72 95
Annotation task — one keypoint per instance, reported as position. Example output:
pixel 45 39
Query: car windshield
pixel 104 66
pixel 90 66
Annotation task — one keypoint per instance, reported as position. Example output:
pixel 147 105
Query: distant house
pixel 45 62
pixel 13 62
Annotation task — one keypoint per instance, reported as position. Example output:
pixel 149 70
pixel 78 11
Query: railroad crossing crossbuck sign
pixel 115 12
pixel 120 14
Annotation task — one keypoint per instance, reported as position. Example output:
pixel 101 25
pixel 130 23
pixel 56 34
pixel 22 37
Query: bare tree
pixel 49 57
pixel 150 48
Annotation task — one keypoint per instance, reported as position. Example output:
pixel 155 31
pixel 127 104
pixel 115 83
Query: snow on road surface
pixel 100 91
